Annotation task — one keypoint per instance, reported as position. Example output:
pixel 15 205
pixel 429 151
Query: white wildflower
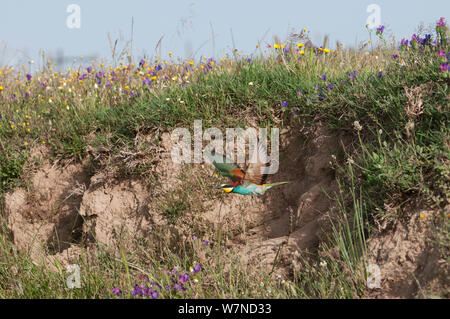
pixel 357 126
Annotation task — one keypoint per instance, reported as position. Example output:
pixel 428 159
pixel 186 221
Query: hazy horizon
pixel 186 27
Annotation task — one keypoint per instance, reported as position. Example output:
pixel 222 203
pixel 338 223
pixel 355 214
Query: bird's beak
pixel 219 187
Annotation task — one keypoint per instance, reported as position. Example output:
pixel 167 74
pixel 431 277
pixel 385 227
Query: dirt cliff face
pixel 69 206
pixel 409 262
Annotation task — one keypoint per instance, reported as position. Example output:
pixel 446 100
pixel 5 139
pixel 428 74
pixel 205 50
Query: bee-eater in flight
pixel 248 182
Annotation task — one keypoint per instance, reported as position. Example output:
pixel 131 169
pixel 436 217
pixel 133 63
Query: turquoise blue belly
pixel 247 190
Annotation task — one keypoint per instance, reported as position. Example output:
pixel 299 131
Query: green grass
pixel 400 151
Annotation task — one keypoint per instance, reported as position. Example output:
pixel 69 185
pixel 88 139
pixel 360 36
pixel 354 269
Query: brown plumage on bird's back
pixel 238 175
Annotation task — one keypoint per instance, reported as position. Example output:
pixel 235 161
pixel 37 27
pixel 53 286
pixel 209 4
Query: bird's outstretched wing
pixel 226 167
pixel 257 168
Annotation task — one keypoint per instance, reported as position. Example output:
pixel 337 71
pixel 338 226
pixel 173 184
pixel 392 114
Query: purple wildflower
pixel 380 74
pixel 353 75
pixel 324 77
pixel 197 268
pixel 316 87
pixel 380 30
pixel 146 81
pixel 441 53
pixel 117 291
pixel 158 68
pixel 404 44
pixel 178 287
pixel 137 291
pixel 445 67
pixel 441 22
pixel 321 97
pixel 183 278
pixel 299 92
pixel 141 63
pixel 28 77
pixel 154 294
pixel 426 40
pixel 89 69
pixel 330 87
pixel 395 56
pixel 284 104
pixel 249 61
pixel 206 243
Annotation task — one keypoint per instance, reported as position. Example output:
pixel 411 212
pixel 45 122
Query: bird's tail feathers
pixel 275 184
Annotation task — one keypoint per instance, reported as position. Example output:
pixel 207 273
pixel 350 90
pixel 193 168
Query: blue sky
pixel 29 26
